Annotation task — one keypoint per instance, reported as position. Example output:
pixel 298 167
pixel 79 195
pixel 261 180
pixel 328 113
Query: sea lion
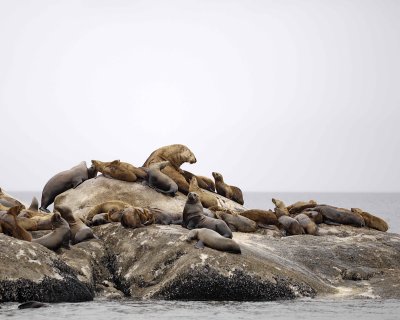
pixel 263 218
pixel 159 181
pixel 280 208
pixel 33 210
pixel 308 225
pixel 227 191
pixel 290 226
pixel 299 206
pixel 165 218
pixel 136 217
pixel 372 221
pixel 237 222
pixel 106 207
pixel 213 239
pixel 64 181
pixel 10 225
pixel 193 217
pixel 57 238
pixel 119 170
pixel 32 304
pixel 8 201
pixel 315 216
pixel 207 199
pixel 99 219
pixel 203 182
pixel 176 154
pixel 339 216
pixel 79 231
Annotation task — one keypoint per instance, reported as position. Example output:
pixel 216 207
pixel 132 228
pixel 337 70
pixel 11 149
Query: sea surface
pixel 385 205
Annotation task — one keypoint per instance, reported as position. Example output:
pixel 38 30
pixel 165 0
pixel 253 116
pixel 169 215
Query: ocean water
pixel 385 205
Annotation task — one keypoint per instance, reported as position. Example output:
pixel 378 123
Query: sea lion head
pixel 187 156
pixel 193 197
pixel 92 171
pixel 217 176
pixel 193 183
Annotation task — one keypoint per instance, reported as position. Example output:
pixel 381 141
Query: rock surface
pixel 157 261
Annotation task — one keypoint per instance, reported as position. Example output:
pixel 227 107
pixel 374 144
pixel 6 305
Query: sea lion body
pixel 203 182
pixel 159 180
pixel 237 222
pixel 261 217
pixel 372 221
pixel 136 217
pixel 64 181
pixel 11 226
pixel 193 217
pixel 227 191
pixel 315 216
pixel 165 218
pixel 176 154
pixel 290 225
pixel 341 216
pixel 299 206
pixel 214 240
pixel 119 170
pixel 307 224
pixel 206 199
pixel 100 219
pixel 106 207
pixel 57 238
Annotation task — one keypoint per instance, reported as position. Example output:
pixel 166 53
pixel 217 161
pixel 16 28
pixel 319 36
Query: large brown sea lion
pixel 299 206
pixel 203 182
pixel 79 231
pixel 227 191
pixel 372 221
pixel 193 217
pixel 10 226
pixel 119 170
pixel 57 238
pixel 290 226
pixel 106 207
pixel 159 181
pixel 65 180
pixel 207 199
pixel 308 225
pixel 263 218
pixel 339 216
pixel 176 154
pixel 136 217
pixel 213 239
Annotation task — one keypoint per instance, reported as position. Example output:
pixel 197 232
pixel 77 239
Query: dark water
pixel 385 205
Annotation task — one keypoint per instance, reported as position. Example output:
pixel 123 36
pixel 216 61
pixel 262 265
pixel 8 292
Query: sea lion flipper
pixel 76 183
pixel 199 245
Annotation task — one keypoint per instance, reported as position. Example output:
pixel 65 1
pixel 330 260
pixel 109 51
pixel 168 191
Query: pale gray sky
pixel 275 95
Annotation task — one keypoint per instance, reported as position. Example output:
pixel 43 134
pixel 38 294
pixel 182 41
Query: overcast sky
pixel 275 95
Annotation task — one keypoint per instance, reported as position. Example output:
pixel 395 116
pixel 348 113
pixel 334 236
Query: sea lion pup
pixel 227 191
pixel 176 154
pixel 99 219
pixel 64 181
pixel 57 238
pixel 207 200
pixel 165 218
pixel 212 239
pixel 333 215
pixel 290 226
pixel 193 217
pixel 160 181
pixel 106 207
pixel 263 218
pixel 237 222
pixel 299 206
pixel 10 225
pixel 203 182
pixel 308 225
pixel 372 221
pixel 136 217
pixel 280 208
pixel 119 170
pixel 79 231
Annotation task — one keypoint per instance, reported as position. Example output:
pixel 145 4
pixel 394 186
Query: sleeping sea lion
pixel 106 207
pixel 159 181
pixel 64 181
pixel 299 206
pixel 263 218
pixel 136 217
pixel 308 225
pixel 203 182
pixel 338 215
pixel 372 221
pixel 165 218
pixel 193 217
pixel 119 170
pixel 237 222
pixel 99 219
pixel 290 226
pixel 207 199
pixel 227 191
pixel 213 239
pixel 10 225
pixel 57 238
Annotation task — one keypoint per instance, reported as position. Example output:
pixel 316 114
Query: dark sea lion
pixel 280 208
pixel 99 219
pixel 57 238
pixel 106 207
pixel 237 222
pixel 32 304
pixel 263 218
pixel 166 218
pixel 299 206
pixel 308 225
pixel 193 217
pixel 136 217
pixel 176 154
pixel 11 226
pixel 159 181
pixel 372 221
pixel 79 231
pixel 207 199
pixel 203 182
pixel 119 170
pixel 64 181
pixel 341 216
pixel 213 239
pixel 291 226
pixel 227 191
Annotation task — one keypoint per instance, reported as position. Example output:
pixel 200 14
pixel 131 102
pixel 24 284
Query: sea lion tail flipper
pixel 199 245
